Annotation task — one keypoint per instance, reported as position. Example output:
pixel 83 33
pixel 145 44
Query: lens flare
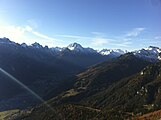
pixel 27 89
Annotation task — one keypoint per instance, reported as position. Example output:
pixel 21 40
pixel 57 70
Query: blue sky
pixel 125 24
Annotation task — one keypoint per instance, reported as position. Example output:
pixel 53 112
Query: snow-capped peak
pixel 151 53
pixel 56 49
pixel 78 48
pixel 159 57
pixel 24 45
pixel 75 46
pixel 6 41
pixel 113 52
pixel 37 45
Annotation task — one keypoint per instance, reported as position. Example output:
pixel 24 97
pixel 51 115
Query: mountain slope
pixel 103 95
pixel 121 87
pixel 29 64
pixel 151 53
pixel 81 56
pixel 44 70
pixel 112 52
pixel 36 67
pixel 129 97
pixel 134 91
pixel 100 77
pixel 112 70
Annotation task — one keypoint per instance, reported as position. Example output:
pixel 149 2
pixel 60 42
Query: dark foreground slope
pixel 30 66
pixel 126 96
pixel 43 70
pixel 100 77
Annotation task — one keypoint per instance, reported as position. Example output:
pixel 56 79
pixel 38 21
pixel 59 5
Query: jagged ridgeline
pixel 47 71
pixel 79 83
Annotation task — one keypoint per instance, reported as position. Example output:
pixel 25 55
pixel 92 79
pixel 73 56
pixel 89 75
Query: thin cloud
pixel 120 45
pixel 2 11
pixel 13 32
pixel 157 37
pixel 99 41
pixel 40 35
pixel 73 36
pixel 33 23
pixel 135 32
pixel 26 34
pixel 126 39
pixel 43 36
pixel 29 35
pixel 124 44
pixel 98 33
pixel 95 41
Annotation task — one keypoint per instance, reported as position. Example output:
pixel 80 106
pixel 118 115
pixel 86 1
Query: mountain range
pixel 79 83
pixel 150 52
pixel 110 90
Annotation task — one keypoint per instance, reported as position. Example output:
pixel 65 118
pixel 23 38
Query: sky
pixel 123 24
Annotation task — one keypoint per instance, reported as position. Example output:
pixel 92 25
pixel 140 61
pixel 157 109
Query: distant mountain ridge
pixel 150 53
pixel 15 57
pixel 73 47
pixel 88 83
pixel 114 52
pixel 40 68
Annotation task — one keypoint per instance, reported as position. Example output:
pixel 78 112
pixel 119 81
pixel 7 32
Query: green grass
pixel 69 93
pixel 5 114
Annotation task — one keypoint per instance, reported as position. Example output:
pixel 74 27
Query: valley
pixel 94 86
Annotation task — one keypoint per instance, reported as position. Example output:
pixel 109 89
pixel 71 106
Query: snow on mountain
pixel 78 48
pixel 112 52
pixel 56 49
pixel 36 45
pixel 159 57
pixel 91 50
pixel 151 53
pixel 75 47
pixel 24 45
pixel 6 41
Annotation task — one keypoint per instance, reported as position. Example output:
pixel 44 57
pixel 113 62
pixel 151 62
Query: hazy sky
pixel 125 24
